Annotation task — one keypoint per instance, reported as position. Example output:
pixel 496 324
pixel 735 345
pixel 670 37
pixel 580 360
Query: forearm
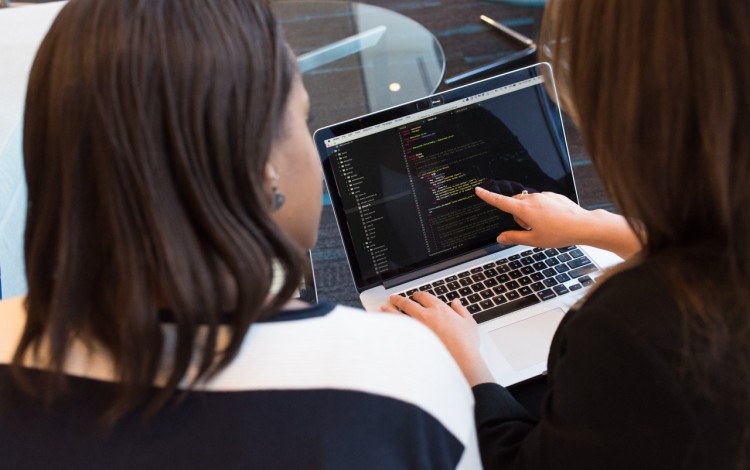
pixel 610 232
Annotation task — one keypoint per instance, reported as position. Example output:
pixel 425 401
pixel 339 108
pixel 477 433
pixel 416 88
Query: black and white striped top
pixel 322 387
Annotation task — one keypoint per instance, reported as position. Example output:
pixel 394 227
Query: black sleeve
pixel 613 403
pixel 502 423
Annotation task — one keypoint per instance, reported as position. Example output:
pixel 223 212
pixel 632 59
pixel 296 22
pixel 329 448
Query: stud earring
pixel 278 196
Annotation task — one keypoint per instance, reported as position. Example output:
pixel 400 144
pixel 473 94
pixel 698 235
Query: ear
pixel 270 177
pixel 271 183
pixel 270 174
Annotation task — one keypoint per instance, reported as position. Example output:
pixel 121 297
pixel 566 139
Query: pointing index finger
pixel 504 203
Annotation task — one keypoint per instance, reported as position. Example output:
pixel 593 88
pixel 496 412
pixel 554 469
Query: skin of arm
pixel 556 221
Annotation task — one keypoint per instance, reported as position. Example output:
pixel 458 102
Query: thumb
pixel 515 237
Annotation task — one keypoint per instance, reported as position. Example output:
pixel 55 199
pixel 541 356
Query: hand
pixel 453 325
pixel 554 221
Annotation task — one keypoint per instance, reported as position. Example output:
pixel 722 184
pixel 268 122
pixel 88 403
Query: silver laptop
pixel 401 183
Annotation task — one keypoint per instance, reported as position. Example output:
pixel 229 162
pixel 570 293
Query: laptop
pixel 401 183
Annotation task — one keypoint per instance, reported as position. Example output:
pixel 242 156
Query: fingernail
pixel 502 238
pixel 480 189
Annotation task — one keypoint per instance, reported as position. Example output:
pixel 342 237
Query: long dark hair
pixel 659 90
pixel 147 131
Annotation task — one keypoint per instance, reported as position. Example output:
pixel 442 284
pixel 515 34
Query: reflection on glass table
pixel 358 58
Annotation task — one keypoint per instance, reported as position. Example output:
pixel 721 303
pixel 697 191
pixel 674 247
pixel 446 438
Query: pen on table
pixel 529 50
pixel 510 32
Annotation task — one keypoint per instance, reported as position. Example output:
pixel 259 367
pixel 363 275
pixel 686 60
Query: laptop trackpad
pixel 526 343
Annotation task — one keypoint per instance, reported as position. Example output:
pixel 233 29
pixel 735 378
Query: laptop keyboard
pixel 509 284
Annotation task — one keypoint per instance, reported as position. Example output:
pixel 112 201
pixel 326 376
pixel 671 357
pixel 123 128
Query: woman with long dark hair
pixel 174 191
pixel 652 370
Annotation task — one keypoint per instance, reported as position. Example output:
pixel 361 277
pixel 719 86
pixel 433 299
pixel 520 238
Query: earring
pixel 278 197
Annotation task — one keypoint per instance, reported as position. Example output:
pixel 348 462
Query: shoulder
pixel 387 355
pixel 624 340
pixel 636 302
pixel 615 368
pixel 637 285
pixel 614 397
pixel 628 329
pixel 630 314
pixel 348 347
pixel 398 341
pixel 391 331
pixel 366 375
pixel 12 321
pixel 367 345
pixel 389 358
pixel 385 362
pixel 646 289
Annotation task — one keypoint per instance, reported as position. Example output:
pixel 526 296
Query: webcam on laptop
pixel 430 102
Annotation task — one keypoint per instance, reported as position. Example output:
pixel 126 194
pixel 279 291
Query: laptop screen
pixel 401 181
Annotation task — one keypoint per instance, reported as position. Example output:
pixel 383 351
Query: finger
pixel 388 308
pixel 459 308
pixel 426 299
pixel 504 203
pixel 407 306
pixel 516 237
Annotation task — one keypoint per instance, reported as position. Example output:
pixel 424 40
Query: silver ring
pixel 524 192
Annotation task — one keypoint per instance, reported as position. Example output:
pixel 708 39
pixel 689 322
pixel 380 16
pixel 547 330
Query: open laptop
pixel 401 183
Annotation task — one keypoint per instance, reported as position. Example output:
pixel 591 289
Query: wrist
pixel 475 370
pixel 610 232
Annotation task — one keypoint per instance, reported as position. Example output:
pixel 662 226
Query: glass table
pixel 357 58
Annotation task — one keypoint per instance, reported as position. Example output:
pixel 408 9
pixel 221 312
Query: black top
pixel 616 398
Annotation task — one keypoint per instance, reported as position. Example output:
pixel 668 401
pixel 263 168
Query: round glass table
pixel 357 58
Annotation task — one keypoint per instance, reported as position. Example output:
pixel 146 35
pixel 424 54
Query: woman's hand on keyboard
pixel 553 221
pixel 454 326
